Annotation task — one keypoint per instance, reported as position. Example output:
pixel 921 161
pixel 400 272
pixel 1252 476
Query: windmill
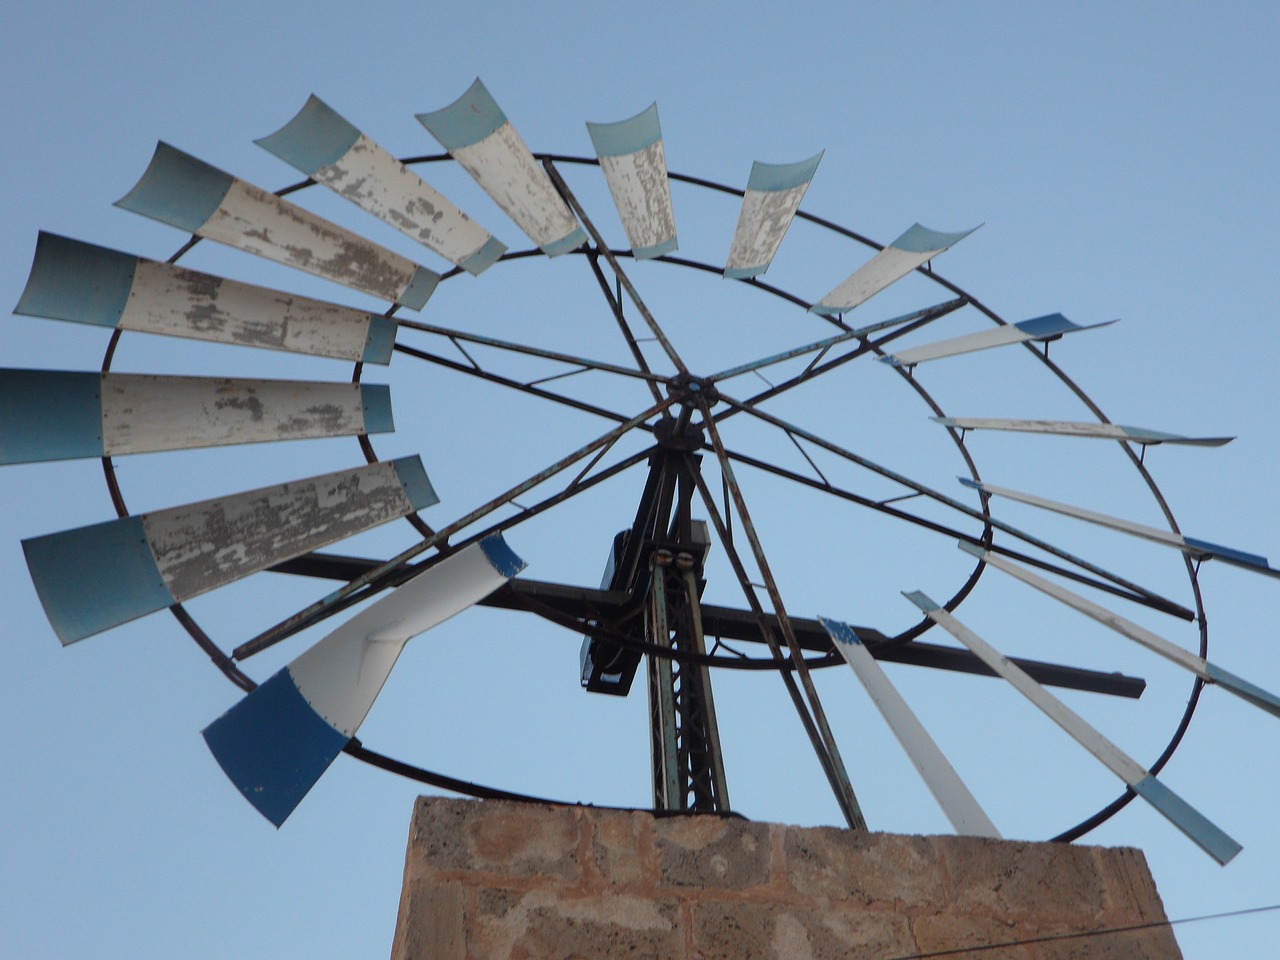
pixel 666 418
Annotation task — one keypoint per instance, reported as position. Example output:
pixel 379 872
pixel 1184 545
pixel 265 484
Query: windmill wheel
pixel 771 479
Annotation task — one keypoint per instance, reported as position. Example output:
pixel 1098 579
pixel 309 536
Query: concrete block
pixel 705 851
pixel 1010 877
pixel 748 930
pixel 540 925
pixel 497 880
pixel 864 867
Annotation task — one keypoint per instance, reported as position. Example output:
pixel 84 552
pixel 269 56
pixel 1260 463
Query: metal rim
pixel 229 666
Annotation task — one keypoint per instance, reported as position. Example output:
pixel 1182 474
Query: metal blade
pixel 61 415
pixel 959 805
pixel 774 192
pixel 1127 628
pixel 1043 329
pixel 277 742
pixel 85 283
pixel 1067 428
pixel 478 135
pixel 916 246
pixel 332 152
pixel 192 195
pixel 1177 811
pixel 92 578
pixel 1201 549
pixel 635 167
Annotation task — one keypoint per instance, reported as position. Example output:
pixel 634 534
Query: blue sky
pixel 1122 162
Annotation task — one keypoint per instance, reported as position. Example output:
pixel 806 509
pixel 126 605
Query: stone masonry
pixel 496 880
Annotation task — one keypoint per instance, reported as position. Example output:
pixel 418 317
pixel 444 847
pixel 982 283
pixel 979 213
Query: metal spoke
pixel 513 347
pixel 845 797
pixel 528 388
pixel 954 504
pixel 347 568
pixel 311 614
pixel 884 506
pixel 929 314
pixel 867 346
pixel 614 265
pixel 615 307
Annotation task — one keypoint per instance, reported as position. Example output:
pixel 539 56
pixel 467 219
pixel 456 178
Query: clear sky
pixel 1122 159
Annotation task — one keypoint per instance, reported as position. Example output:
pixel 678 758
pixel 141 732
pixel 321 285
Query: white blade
pixel 1188 545
pixel 85 283
pixel 1127 628
pixel 478 135
pixel 1046 328
pixel 277 741
pixel 1068 428
pixel 1177 811
pixel 635 167
pixel 329 150
pixel 63 414
pixel 916 246
pixel 959 805
pixel 192 195
pixel 92 578
pixel 773 195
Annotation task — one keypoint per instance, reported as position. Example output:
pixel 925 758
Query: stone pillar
pixel 486 880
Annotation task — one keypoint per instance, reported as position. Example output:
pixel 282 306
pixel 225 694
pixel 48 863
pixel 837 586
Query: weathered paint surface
pixel 326 147
pixel 1193 824
pixel 916 246
pixel 179 189
pixel 1048 327
pixel 278 741
pixel 173 301
pixel 372 179
pixel 1068 428
pixel 85 283
pixel 642 193
pixel 59 414
pixel 143 413
pixel 508 172
pixel 634 164
pixel 773 196
pixel 253 220
pixel 478 135
pixel 93 578
pixel 961 808
pixel 205 545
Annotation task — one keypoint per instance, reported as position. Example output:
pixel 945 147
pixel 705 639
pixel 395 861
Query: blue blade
pixel 274 747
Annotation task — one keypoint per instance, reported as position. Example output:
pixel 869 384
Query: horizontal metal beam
pixel 588 603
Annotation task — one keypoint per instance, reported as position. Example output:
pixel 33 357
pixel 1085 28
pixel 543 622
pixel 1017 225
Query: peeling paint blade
pixel 773 195
pixel 1200 549
pixel 278 741
pixel 84 283
pixel 194 196
pixel 1041 329
pixel 61 415
pixel 1068 428
pixel 479 136
pixel 961 808
pixel 635 167
pixel 93 578
pixel 1177 811
pixel 1127 628
pixel 915 247
pixel 328 149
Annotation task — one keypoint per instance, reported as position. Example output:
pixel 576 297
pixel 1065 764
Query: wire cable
pixel 1080 935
